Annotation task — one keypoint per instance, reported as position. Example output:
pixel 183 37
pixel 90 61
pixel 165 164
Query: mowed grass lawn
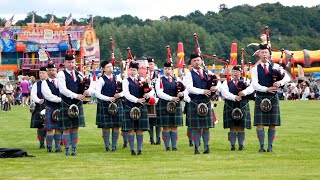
pixel 296 152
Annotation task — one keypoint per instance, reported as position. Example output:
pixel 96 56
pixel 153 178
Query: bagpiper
pixel 37 107
pixel 51 94
pixel 236 111
pixel 109 108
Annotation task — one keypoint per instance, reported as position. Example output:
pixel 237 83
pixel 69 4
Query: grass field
pixel 296 152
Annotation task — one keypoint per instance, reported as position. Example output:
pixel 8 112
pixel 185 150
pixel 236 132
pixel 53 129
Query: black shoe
pixel 262 149
pixel 233 148
pixel 49 150
pixel 74 153
pixel 158 141
pixel 152 141
pixel 207 151
pixel 167 148
pixel 107 149
pixel 190 143
pixel 139 153
pixel 133 153
pixel 269 150
pixel 196 151
pixel 42 146
pixel 67 152
pixel 241 147
pixel 174 149
pixel 114 149
pixel 124 146
pixel 58 150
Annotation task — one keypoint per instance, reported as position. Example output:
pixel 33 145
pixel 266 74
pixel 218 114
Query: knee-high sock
pixel 115 136
pixel 232 138
pixel 206 138
pixel 125 137
pixel 260 135
pixel 241 137
pixel 174 138
pixel 139 141
pixel 41 136
pixel 131 141
pixel 74 139
pixel 271 137
pixel 158 129
pixel 189 134
pixel 196 138
pixel 66 140
pixel 57 140
pixel 49 141
pixel 166 138
pixel 151 132
pixel 106 137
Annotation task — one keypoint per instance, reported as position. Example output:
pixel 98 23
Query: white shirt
pixel 187 81
pixel 61 78
pixel 126 92
pixel 33 94
pixel 160 92
pixel 225 92
pixel 47 92
pixel 100 83
pixel 255 80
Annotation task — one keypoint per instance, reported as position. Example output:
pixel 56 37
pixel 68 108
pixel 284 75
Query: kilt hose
pixel 196 121
pixel 49 124
pixel 104 119
pixel 66 121
pixel 36 121
pixel 166 119
pixel 228 122
pixel 140 124
pixel 271 118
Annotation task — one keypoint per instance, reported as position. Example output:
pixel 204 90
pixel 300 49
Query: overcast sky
pixel 144 9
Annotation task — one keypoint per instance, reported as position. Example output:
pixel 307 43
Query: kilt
pixel 267 118
pixel 104 119
pixel 49 124
pixel 196 121
pixel 166 119
pixel 186 110
pixel 36 121
pixel 228 122
pixel 140 124
pixel 66 121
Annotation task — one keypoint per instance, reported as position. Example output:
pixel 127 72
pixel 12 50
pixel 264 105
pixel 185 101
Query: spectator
pixel 24 85
pixel 304 91
pixel 9 92
pixel 316 91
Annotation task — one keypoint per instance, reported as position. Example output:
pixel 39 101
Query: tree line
pixel 292 28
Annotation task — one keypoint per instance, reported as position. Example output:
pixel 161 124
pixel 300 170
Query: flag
pixel 51 19
pixel 9 22
pixel 90 24
pixel 32 20
pixel 68 20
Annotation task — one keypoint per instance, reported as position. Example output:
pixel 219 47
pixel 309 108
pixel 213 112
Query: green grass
pixel 296 152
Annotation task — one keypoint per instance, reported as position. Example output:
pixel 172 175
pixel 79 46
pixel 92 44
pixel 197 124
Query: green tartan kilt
pixel 186 112
pixel 104 119
pixel 66 121
pixel 36 121
pixel 196 121
pixel 166 119
pixel 228 122
pixel 271 118
pixel 140 124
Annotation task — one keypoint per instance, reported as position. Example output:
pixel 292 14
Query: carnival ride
pixel 23 48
